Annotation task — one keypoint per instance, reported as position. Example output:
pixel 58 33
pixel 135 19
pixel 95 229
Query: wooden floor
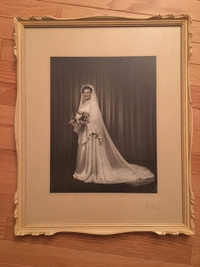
pixel 131 249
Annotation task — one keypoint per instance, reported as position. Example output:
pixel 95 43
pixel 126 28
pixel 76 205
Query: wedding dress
pixel 98 160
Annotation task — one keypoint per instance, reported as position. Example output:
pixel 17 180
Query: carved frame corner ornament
pixel 184 22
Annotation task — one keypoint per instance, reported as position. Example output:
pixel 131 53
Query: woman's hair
pixel 86 87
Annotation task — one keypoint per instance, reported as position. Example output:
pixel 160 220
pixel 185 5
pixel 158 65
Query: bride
pixel 98 160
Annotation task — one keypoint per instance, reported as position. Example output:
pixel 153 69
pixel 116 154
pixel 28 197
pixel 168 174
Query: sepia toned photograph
pixel 103 124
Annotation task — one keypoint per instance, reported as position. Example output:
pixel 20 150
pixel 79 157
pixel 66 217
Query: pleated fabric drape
pixel 126 91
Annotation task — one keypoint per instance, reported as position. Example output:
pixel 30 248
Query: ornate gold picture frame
pixel 41 210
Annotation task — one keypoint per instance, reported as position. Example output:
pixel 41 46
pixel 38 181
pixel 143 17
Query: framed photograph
pixel 103 125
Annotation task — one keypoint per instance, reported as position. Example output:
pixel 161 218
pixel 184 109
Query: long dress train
pixel 98 160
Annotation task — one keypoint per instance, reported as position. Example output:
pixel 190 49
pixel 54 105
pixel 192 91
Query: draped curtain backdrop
pixel 126 91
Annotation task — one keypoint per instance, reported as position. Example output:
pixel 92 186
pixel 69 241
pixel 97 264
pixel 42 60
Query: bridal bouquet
pixel 79 118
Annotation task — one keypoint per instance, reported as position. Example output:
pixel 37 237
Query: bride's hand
pixel 83 123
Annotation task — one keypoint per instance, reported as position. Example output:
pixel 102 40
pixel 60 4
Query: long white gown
pixel 98 160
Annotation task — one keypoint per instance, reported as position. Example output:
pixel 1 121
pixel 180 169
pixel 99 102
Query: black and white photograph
pixel 103 124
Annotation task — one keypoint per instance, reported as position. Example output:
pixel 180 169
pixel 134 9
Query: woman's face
pixel 86 94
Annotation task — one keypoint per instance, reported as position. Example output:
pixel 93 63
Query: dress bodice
pixel 85 107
